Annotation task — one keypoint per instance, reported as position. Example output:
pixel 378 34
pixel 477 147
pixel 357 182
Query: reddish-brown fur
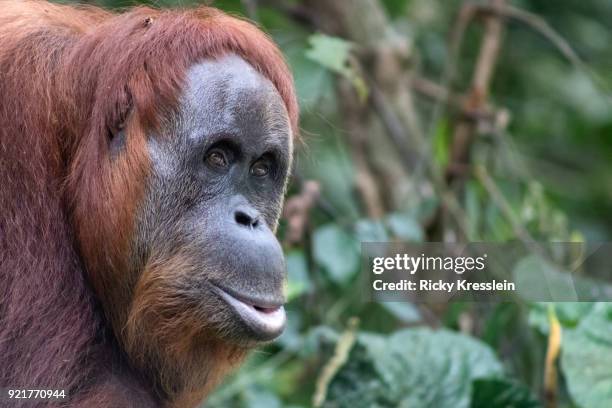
pixel 69 77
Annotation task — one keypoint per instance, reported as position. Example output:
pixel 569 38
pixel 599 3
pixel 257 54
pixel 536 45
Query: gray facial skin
pixel 219 173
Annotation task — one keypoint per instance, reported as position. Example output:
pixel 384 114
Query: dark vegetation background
pixel 436 120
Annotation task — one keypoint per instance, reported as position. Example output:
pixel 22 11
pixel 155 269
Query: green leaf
pixel 538 279
pixel 371 231
pixel 297 270
pixel 316 339
pixel 412 368
pixel 313 82
pixel 405 227
pixel 334 54
pixel 331 52
pixel 403 311
pixel 331 164
pixel 499 228
pixel 441 142
pixel 337 252
pixel 501 393
pixel 260 398
pixel 291 339
pixel 568 313
pixel 586 358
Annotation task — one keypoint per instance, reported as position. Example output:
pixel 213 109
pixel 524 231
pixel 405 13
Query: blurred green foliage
pixel 552 166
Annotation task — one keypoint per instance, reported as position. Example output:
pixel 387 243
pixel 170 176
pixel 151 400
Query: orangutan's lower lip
pixel 265 319
pixel 267 310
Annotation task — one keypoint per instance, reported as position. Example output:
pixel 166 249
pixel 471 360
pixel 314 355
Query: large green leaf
pixel 587 358
pixel 539 279
pixel 417 368
pixel 336 251
pixel 331 52
pixel 312 81
pixel 334 54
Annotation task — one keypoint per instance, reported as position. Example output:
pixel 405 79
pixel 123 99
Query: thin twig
pixel 552 353
pixel 343 347
pixel 434 90
pixel 538 24
pixel 541 26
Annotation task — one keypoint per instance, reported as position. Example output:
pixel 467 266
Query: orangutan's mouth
pixel 265 319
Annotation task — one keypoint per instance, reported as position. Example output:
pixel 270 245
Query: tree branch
pixel 465 130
